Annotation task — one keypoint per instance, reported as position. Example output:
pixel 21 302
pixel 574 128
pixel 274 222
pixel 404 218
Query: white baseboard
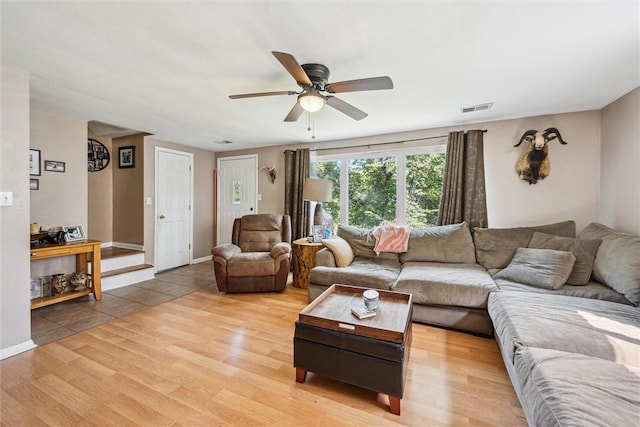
pixel 13 350
pixel 106 244
pixel 128 246
pixel 203 259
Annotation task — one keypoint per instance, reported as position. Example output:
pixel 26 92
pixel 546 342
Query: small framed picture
pixel 36 287
pixel 318 233
pixel 34 184
pixel 127 157
pixel 73 233
pixel 34 162
pixel 54 166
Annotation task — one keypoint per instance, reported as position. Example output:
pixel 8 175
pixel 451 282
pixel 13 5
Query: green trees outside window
pixel 376 194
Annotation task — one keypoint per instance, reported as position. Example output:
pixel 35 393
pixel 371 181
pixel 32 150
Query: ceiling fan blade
pixel 372 83
pixel 253 95
pixel 345 107
pixel 294 114
pixel 293 67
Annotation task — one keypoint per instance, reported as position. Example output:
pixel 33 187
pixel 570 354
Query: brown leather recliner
pixel 259 256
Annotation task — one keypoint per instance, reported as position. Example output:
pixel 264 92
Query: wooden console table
pixel 86 251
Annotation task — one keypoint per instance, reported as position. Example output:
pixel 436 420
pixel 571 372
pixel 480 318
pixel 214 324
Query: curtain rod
pixel 384 143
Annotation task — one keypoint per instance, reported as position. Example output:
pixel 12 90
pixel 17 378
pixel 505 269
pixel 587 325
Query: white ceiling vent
pixel 479 107
pixel 223 142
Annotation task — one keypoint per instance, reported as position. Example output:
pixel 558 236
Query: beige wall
pixel 203 215
pixel 62 198
pixel 570 192
pixel 128 190
pixel 100 196
pixel 15 313
pixel 620 164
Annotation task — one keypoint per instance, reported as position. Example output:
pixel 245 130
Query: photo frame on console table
pixel 73 233
pixel 127 157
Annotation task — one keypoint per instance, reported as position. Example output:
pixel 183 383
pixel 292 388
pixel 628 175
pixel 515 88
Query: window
pixel 384 188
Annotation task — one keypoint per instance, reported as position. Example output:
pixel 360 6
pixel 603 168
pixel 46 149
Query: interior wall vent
pixel 479 107
pixel 223 142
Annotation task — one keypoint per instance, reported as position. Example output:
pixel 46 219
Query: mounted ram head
pixel 534 164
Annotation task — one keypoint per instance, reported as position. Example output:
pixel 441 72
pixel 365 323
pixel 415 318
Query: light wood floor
pixel 206 359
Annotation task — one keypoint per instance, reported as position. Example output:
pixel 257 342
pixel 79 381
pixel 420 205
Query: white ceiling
pixel 167 68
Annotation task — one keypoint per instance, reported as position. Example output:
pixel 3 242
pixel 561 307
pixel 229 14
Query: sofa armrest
pixel 325 258
pixel 280 249
pixel 225 251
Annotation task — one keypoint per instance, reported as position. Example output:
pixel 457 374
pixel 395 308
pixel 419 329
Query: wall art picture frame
pixel 54 166
pixel 98 156
pixel 34 184
pixel 73 233
pixel 34 162
pixel 127 157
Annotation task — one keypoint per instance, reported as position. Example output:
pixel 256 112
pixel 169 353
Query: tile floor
pixel 67 318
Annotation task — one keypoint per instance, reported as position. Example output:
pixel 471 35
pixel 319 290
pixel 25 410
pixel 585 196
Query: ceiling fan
pixel 314 79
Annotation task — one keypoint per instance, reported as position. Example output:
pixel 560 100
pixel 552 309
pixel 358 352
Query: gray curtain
pixel 463 186
pixel 296 165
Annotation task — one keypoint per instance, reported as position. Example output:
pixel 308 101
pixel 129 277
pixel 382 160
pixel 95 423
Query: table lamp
pixel 318 190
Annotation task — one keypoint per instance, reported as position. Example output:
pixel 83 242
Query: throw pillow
pixel 340 249
pixel 362 242
pixel 543 268
pixel 445 243
pixel 617 263
pixel 495 246
pixel 583 249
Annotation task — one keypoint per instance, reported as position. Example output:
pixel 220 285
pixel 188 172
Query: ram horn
pixel 556 133
pixel 527 135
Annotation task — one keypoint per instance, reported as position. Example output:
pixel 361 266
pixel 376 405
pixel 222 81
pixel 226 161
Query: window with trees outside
pixel 384 188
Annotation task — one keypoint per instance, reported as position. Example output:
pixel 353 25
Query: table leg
pixel 301 375
pixel 394 405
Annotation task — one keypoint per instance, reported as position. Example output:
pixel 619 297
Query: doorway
pixel 174 214
pixel 237 192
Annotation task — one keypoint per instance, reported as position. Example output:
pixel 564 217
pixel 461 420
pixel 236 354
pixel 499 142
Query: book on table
pixel 362 312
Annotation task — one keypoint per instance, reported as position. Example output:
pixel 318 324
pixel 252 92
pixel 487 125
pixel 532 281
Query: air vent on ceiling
pixel 479 107
pixel 223 142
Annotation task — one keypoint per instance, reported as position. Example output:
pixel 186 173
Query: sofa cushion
pixel 593 290
pixel 340 249
pixel 248 264
pixel 601 329
pixel 495 246
pixel 583 249
pixel 363 271
pixel 617 262
pixel 447 284
pixel 446 243
pixel 544 268
pixel 568 389
pixel 362 242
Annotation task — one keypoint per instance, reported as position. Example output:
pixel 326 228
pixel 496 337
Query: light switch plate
pixel 6 198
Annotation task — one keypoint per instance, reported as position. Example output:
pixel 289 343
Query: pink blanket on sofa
pixel 391 238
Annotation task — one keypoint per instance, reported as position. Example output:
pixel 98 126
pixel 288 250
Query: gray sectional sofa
pixel 564 310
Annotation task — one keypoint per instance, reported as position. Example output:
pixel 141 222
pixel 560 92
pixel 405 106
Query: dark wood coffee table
pixel 371 353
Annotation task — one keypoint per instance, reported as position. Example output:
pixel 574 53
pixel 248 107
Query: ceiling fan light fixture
pixel 311 101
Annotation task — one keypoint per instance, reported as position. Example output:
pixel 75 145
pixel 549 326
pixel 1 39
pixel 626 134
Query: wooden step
pixel 114 252
pixel 125 270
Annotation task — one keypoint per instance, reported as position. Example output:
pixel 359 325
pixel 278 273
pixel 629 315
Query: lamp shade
pixel 318 190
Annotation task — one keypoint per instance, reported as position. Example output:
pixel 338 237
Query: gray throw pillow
pixel 543 268
pixel 583 249
pixel 495 246
pixel 617 262
pixel 445 243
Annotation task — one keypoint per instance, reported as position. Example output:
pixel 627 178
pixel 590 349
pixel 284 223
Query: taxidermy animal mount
pixel 534 164
pixel 271 170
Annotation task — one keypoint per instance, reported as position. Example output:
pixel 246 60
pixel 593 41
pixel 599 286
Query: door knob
pixel 161 216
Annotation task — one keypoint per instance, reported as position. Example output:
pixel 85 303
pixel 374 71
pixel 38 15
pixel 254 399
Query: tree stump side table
pixel 304 259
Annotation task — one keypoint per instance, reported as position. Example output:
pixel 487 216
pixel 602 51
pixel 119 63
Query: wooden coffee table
pixel 371 353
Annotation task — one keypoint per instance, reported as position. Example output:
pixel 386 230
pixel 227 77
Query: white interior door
pixel 237 192
pixel 174 192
